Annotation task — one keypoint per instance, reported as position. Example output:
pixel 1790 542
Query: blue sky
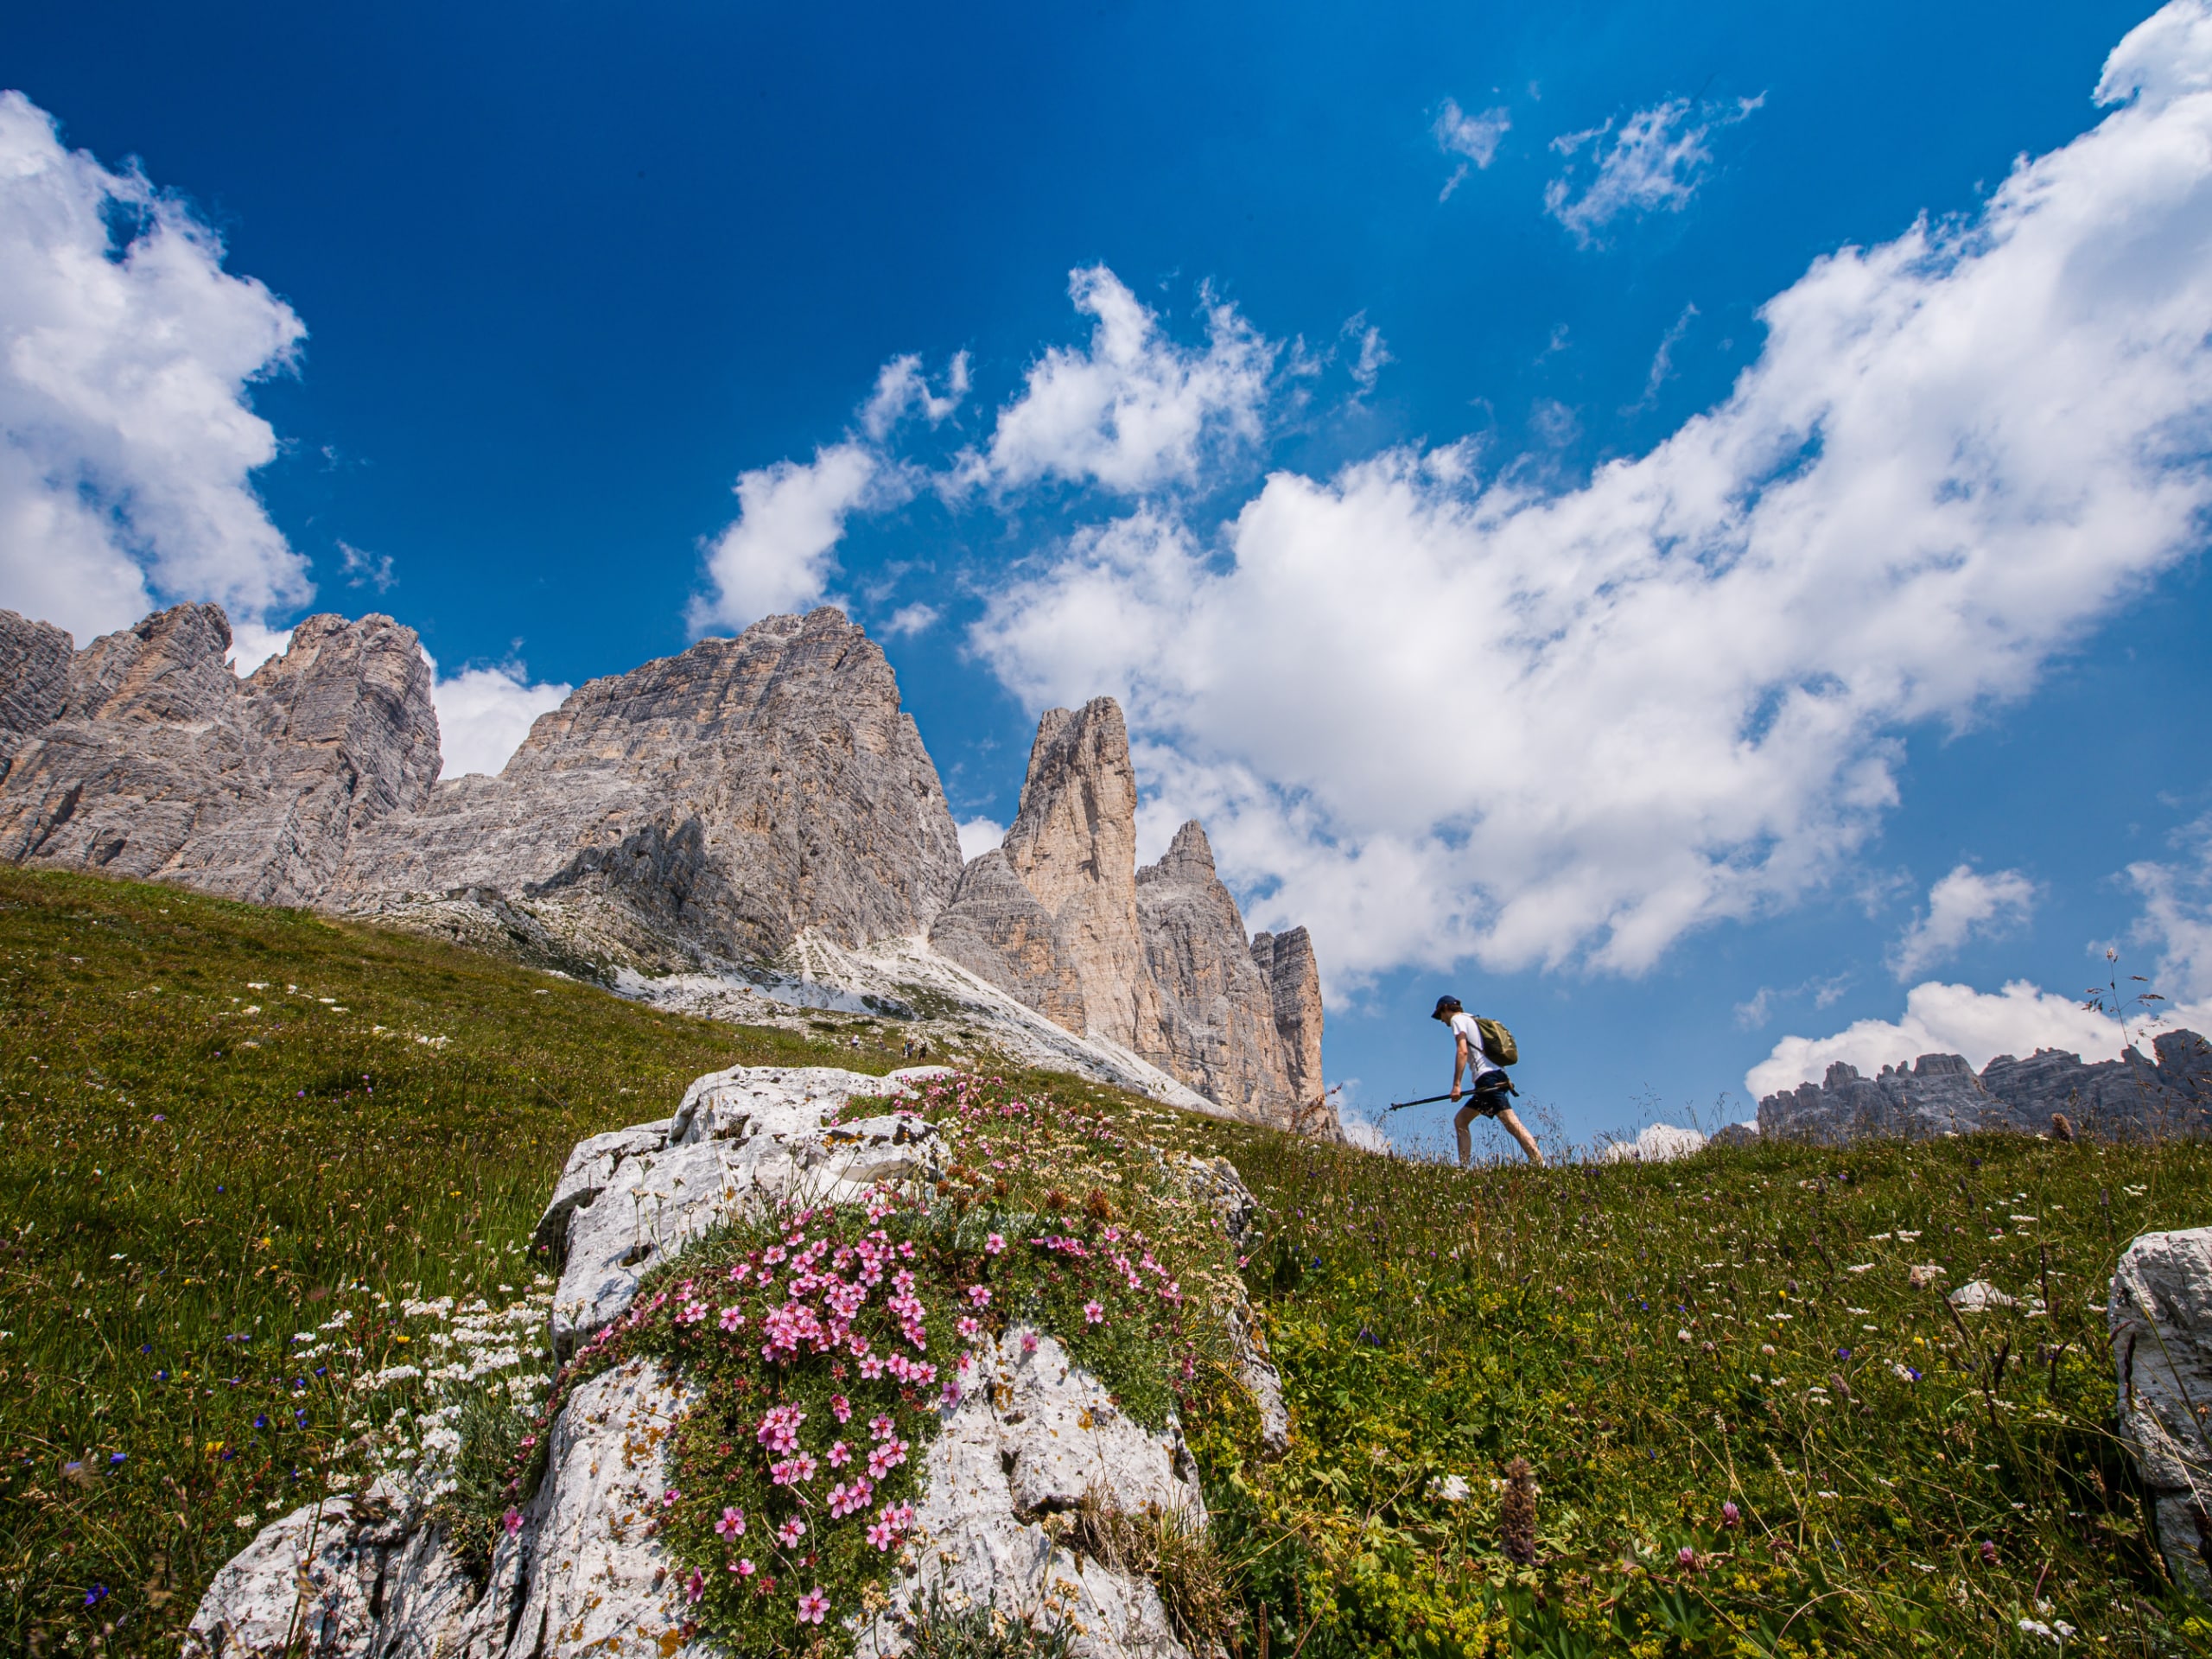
pixel 1548 568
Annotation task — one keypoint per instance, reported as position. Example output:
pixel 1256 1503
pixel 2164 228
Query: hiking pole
pixel 1430 1100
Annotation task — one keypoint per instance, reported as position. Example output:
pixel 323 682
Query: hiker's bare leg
pixel 1467 1115
pixel 1513 1126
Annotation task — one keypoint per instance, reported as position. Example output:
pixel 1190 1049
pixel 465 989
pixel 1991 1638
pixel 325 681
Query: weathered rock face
pixel 1938 1094
pixel 1074 846
pixel 2161 1319
pixel 719 802
pixel 2130 1099
pixel 1155 960
pixel 714 804
pixel 995 929
pixel 33 678
pixel 161 763
pixel 585 1573
pixel 1217 1024
pixel 1295 981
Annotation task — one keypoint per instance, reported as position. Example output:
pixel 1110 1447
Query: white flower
pixel 246 1522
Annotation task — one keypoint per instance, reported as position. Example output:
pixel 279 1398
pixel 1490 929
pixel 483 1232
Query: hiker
pixel 1492 1090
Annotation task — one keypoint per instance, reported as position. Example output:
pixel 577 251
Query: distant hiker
pixel 1492 1090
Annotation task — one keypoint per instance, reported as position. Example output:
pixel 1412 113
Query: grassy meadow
pixel 1746 1431
pixel 217 1125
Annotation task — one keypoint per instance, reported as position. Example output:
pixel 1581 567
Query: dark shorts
pixel 1491 1095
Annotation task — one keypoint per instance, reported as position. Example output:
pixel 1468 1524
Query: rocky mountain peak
pixel 1189 857
pixel 1073 845
pixel 162 763
pixel 711 805
pixel 1154 959
pixel 2133 1097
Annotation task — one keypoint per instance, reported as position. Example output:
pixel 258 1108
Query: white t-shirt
pixel 1462 1025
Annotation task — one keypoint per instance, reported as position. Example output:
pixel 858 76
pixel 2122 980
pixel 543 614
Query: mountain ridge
pixel 706 830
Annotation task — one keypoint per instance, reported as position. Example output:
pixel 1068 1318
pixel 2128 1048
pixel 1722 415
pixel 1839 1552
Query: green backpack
pixel 1499 1046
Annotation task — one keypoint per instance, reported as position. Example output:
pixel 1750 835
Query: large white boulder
pixel 582 1570
pixel 2161 1318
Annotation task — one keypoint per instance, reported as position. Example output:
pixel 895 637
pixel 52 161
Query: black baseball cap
pixel 1445 1006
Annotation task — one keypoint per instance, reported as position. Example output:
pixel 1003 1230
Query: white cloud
pixel 252 645
pixel 1435 714
pixel 1942 1018
pixel 1654 163
pixel 1473 136
pixel 1135 412
pixel 1367 368
pixel 127 444
pixel 900 386
pixel 366 570
pixel 484 713
pixel 1663 360
pixel 980 835
pixel 1760 1008
pixel 1755 1013
pixel 780 553
pixel 2177 918
pixel 1963 904
pixel 910 620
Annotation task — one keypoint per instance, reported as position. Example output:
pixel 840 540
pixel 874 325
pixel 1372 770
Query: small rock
pixel 1978 1296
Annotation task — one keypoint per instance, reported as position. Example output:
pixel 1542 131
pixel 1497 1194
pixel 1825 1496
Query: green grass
pixel 1660 1341
pixel 1429 1323
pixel 184 1184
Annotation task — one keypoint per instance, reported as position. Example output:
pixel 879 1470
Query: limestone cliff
pixel 2129 1098
pixel 718 803
pixel 34 678
pixel 1294 982
pixel 1216 1028
pixel 1074 845
pixel 161 763
pixel 1156 959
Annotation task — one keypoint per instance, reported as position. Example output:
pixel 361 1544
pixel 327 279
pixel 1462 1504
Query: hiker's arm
pixel 1459 1061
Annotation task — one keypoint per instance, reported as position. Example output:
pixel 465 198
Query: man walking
pixel 1492 1090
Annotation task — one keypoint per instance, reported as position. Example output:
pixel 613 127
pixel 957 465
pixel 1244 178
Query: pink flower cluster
pixel 892 1521
pixel 907 1307
pixel 920 1373
pixel 850 1499
pixel 778 1430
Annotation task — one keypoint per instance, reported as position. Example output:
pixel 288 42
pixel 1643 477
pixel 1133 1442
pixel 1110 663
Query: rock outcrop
pixel 1154 960
pixel 1215 1020
pixel 995 928
pixel 1293 979
pixel 2161 1319
pixel 161 763
pixel 34 678
pixel 1073 845
pixel 710 805
pixel 713 805
pixel 2130 1099
pixel 582 1571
